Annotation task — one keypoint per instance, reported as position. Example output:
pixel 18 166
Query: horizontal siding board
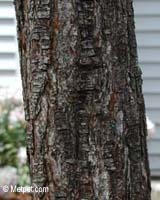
pixel 147 23
pixel 150 70
pixel 7 30
pixel 7 72
pixel 7 81
pixel 7 46
pixel 151 86
pixel 153 147
pixel 152 100
pixel 7 38
pixel 150 55
pixel 156 135
pixel 154 162
pixel 154 115
pixel 7 64
pixel 4 1
pixel 147 7
pixel 8 55
pixel 7 22
pixel 155 173
pixel 7 10
pixel 148 39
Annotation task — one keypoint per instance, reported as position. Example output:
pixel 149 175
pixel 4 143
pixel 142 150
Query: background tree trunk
pixel 86 127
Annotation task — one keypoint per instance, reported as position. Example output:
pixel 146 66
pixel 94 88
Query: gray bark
pixel 85 113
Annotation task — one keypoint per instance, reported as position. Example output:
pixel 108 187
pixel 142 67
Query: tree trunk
pixel 84 107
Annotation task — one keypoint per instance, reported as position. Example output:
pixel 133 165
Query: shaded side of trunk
pixel 86 127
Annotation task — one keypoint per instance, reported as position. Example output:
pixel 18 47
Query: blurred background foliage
pixel 12 139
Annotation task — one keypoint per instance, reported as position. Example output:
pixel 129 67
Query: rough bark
pixel 85 113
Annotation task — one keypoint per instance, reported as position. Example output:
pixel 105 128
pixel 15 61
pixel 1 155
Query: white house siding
pixel 147 18
pixel 9 64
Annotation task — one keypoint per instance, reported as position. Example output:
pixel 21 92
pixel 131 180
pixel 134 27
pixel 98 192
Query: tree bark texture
pixel 84 107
